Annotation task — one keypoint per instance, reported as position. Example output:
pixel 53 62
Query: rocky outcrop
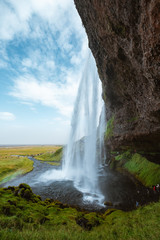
pixel 124 36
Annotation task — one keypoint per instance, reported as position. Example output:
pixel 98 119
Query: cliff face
pixel 124 36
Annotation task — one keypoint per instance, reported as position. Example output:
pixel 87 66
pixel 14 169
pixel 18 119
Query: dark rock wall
pixel 124 36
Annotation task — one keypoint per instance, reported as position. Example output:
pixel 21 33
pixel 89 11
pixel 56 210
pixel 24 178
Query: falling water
pixel 101 151
pixel 85 153
pixel 80 161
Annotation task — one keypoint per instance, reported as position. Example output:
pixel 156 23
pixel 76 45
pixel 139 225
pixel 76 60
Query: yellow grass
pixel 28 150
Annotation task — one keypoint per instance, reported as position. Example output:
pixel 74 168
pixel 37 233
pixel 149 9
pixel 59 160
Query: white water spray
pixel 81 160
pixel 101 151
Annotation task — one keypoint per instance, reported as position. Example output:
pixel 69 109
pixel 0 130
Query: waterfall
pixel 85 152
pixel 80 162
pixel 101 151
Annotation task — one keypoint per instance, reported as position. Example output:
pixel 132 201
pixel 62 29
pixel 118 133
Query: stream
pixel 118 189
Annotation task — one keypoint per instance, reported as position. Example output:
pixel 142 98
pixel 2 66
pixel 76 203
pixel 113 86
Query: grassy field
pixel 53 158
pixel 12 162
pixel 24 216
pixel 28 150
pixel 11 166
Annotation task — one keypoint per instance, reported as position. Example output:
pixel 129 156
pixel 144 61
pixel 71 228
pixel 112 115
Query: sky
pixel 43 46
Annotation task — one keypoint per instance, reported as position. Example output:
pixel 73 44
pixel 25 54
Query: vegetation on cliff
pixel 109 128
pixel 124 39
pixel 145 171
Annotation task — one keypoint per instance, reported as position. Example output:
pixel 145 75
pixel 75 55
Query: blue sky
pixel 43 47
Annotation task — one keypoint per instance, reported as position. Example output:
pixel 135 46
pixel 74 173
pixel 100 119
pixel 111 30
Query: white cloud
pixel 27 62
pixel 50 94
pixel 51 23
pixel 10 23
pixel 7 116
pixel 50 64
pixel 16 17
pixel 3 64
pixel 42 48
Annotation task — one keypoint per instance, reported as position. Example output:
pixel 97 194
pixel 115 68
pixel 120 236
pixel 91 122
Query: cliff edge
pixel 124 36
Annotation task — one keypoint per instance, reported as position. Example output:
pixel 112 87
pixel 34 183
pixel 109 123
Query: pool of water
pixel 116 188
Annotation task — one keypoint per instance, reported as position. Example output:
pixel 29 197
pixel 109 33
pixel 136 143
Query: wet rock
pixel 110 204
pixel 124 39
pixel 118 205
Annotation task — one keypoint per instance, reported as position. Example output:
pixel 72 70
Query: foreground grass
pixel 24 216
pixel 12 162
pixel 53 158
pixel 145 171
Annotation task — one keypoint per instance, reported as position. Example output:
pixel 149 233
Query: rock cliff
pixel 124 36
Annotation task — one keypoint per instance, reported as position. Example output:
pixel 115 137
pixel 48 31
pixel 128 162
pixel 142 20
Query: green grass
pixel 145 171
pixel 25 216
pixel 52 158
pixel 11 166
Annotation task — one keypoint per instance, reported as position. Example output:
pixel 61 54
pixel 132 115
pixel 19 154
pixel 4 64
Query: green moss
pixel 28 220
pixel 110 128
pixel 49 220
pixel 24 185
pixel 124 156
pixel 145 171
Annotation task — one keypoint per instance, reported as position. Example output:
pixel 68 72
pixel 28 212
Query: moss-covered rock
pixel 27 194
pixel 23 219
pixel 145 171
pixel 25 186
